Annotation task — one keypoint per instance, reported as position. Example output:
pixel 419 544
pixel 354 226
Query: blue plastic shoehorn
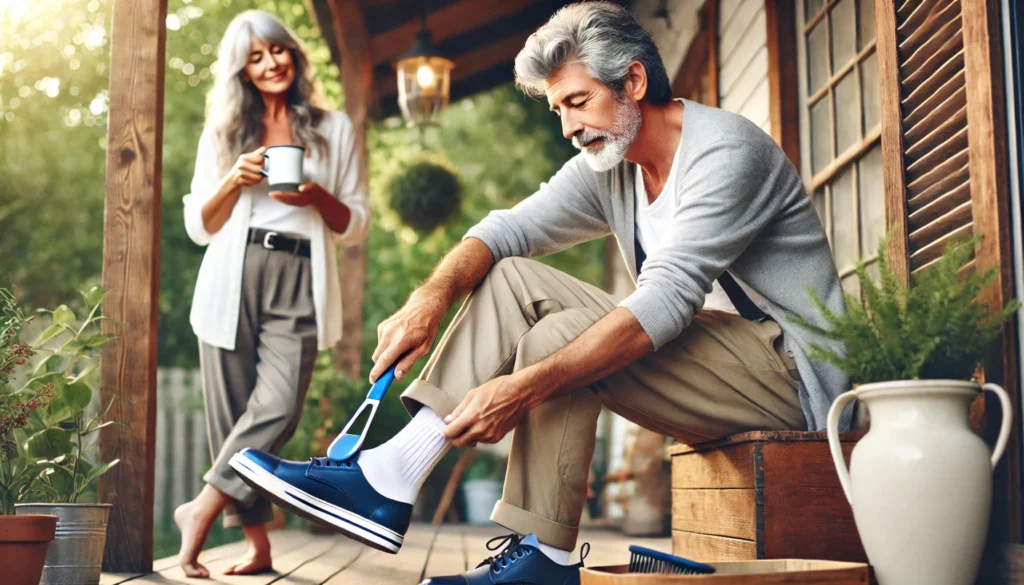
pixel 345 445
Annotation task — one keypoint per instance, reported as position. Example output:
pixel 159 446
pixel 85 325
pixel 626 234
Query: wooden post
pixel 711 8
pixel 131 272
pixel 986 135
pixel 780 16
pixel 357 82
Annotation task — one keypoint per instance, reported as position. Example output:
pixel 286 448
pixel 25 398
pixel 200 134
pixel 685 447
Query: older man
pixel 693 195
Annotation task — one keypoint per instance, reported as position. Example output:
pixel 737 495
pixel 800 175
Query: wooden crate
pixel 773 572
pixel 762 495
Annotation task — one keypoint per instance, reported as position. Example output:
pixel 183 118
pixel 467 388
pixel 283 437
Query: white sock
pixel 555 554
pixel 399 467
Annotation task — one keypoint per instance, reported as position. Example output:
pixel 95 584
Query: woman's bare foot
pixel 194 520
pixel 257 558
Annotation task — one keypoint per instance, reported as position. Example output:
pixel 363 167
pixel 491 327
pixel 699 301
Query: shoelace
pixel 327 462
pixel 510 552
pixel 513 552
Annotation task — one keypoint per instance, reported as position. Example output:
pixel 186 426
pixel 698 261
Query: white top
pixel 655 224
pixel 290 220
pixel 215 304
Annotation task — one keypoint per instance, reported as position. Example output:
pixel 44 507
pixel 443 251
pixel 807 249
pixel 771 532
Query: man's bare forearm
pixel 459 272
pixel 609 345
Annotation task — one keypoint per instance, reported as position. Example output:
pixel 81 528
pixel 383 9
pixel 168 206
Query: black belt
pixel 274 241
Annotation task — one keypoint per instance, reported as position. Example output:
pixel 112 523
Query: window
pixel 840 127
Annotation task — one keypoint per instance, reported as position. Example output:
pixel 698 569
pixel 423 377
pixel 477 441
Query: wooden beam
pixel 695 62
pixel 443 24
pixel 468 65
pixel 131 272
pixel 986 132
pixel 357 83
pixel 711 8
pixel 893 179
pixel 780 17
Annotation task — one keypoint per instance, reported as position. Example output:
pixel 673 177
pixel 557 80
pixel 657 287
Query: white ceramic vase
pixel 920 481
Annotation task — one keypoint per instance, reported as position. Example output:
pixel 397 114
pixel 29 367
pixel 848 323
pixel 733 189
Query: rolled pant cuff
pixel 548 532
pixel 251 517
pixel 232 486
pixel 423 393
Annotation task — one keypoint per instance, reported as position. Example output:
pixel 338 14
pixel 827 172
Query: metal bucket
pixel 76 554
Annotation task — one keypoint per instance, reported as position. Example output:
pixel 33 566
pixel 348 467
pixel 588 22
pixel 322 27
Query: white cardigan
pixel 215 304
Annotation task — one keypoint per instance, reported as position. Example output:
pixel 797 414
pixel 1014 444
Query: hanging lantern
pixel 424 78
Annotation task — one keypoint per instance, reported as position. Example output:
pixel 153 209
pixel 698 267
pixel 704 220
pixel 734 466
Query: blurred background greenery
pixel 54 59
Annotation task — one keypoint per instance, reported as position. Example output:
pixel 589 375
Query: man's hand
pixel 487 413
pixel 410 332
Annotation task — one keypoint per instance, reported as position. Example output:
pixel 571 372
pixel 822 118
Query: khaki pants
pixel 722 375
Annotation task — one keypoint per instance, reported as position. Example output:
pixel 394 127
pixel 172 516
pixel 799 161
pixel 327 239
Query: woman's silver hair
pixel 234 108
pixel 604 37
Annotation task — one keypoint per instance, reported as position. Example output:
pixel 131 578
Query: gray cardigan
pixel 744 209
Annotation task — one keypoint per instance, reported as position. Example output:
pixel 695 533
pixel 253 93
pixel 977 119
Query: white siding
pixel 743 60
pixel 675 41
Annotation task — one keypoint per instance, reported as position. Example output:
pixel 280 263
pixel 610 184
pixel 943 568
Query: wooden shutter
pixel 939 72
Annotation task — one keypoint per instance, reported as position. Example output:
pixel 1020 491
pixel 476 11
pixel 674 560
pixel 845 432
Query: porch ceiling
pixel 481 36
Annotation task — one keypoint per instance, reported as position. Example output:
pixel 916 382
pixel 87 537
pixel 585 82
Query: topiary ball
pixel 425 195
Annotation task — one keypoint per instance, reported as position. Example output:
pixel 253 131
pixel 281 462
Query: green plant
pixel 50 460
pixel 934 329
pixel 486 466
pixel 425 195
pixel 18 477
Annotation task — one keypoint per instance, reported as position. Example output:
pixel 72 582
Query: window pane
pixel 866 20
pixel 847 113
pixel 843 31
pixel 871 91
pixel 844 220
pixel 851 285
pixel 812 8
pixel 872 201
pixel 819 206
pixel 821 135
pixel 817 63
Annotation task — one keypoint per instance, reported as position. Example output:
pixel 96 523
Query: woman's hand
pixel 308 194
pixel 487 413
pixel 409 333
pixel 246 171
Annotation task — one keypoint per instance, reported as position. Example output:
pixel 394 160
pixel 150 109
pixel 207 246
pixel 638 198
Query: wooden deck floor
pixel 302 558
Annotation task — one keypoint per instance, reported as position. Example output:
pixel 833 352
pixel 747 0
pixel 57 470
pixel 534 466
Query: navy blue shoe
pixel 332 493
pixel 520 562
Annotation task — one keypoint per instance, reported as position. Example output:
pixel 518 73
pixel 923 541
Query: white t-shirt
pixel 290 220
pixel 654 225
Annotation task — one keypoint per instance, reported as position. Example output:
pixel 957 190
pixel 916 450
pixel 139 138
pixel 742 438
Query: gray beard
pixel 616 142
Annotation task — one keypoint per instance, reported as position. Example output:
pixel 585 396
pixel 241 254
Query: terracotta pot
pixel 920 481
pixel 23 544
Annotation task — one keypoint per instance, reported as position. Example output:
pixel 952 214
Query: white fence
pixel 182 452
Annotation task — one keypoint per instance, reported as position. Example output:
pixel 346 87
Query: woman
pixel 268 297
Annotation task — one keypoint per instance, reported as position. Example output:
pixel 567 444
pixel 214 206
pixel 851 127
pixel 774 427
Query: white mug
pixel 282 167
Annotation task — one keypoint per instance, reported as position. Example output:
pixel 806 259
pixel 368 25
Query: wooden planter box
pixel 762 495
pixel 777 572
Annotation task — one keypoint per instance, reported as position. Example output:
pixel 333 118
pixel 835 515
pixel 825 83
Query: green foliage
pixel 486 466
pixel 935 329
pixel 45 455
pixel 425 195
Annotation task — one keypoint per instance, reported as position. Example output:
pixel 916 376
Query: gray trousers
pixel 254 394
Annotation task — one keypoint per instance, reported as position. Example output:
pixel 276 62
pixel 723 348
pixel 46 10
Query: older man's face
pixel 598 122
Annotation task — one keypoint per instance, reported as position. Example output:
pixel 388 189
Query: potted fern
pixel 920 480
pixel 60 436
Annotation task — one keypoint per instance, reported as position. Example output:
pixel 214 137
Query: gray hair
pixel 234 108
pixel 604 37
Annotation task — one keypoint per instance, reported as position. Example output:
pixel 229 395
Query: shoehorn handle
pixel 380 387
